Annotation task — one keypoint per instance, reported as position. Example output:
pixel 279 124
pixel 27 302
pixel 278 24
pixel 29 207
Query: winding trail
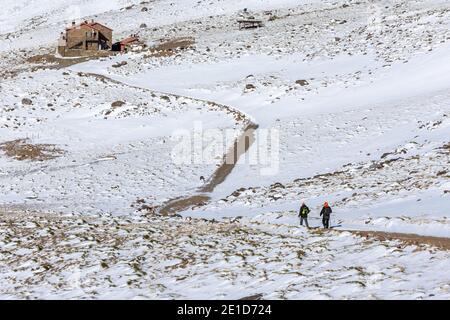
pixel 414 239
pixel 239 148
pixel 441 243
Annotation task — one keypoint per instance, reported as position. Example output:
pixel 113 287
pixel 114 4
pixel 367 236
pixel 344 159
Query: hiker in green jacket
pixel 303 214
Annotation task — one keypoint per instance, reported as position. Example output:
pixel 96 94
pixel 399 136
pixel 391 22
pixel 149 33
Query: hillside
pixel 114 170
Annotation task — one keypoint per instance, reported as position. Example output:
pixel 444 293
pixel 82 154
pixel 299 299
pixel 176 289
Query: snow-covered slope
pixel 20 14
pixel 364 100
pixel 106 258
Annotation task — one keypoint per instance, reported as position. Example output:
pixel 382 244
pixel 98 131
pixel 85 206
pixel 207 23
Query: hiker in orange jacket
pixel 325 214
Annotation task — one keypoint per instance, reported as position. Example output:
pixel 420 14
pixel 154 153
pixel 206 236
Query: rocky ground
pixel 175 258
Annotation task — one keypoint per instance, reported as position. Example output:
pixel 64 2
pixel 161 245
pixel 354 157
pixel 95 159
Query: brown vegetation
pixel 21 150
pixel 171 47
pixel 50 61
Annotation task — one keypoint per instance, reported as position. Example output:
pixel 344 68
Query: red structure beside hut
pixel 125 44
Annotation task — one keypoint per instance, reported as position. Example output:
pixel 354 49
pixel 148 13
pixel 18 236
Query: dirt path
pixel 240 147
pixel 238 115
pixel 441 243
pixel 414 239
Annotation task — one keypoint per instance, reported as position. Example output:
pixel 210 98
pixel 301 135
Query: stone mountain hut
pixel 84 39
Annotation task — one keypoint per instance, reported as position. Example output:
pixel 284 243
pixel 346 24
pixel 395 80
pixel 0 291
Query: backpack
pixel 326 212
pixel 304 211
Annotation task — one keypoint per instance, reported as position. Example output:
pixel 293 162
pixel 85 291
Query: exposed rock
pixel 302 82
pixel 254 297
pixel 250 87
pixel 166 98
pixel 278 185
pixel 27 102
pixel 119 64
pixel 117 104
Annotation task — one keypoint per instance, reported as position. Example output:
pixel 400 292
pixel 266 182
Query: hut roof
pixel 129 40
pixel 93 25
